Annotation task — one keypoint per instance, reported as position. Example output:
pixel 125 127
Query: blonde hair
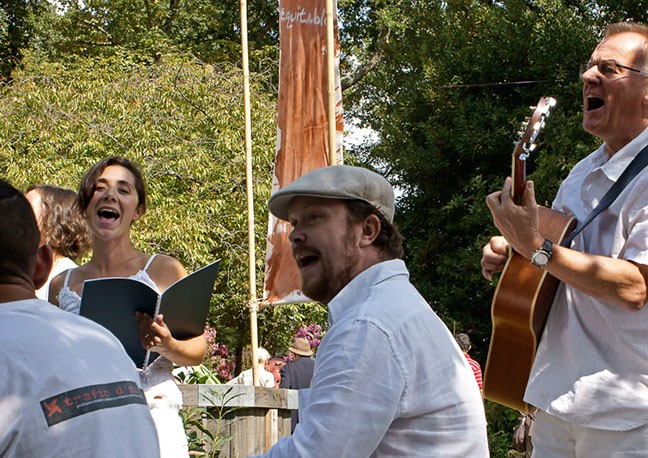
pixel 263 356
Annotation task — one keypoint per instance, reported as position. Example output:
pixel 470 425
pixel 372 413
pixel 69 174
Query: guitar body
pixel 519 311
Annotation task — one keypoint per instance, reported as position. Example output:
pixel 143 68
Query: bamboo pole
pixel 253 303
pixel 330 73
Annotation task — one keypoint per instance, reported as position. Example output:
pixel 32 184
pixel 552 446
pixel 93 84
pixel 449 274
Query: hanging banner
pixel 302 128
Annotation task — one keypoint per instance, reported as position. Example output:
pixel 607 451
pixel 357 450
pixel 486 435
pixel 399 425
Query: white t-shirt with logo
pixel 69 388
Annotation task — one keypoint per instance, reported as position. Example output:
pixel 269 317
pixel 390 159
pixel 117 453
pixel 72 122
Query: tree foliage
pixel 18 24
pixel 455 83
pixel 209 30
pixel 445 84
pixel 182 121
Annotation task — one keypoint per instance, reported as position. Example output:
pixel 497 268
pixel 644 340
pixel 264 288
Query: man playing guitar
pixel 590 374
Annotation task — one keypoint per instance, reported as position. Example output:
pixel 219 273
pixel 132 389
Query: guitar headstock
pixel 527 143
pixel 532 126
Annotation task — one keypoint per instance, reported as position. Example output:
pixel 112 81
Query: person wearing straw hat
pixel 297 374
pixel 389 379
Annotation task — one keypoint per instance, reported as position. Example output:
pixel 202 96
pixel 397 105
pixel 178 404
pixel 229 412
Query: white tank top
pixel 70 301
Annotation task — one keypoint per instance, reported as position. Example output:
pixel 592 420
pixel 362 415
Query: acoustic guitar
pixel 525 292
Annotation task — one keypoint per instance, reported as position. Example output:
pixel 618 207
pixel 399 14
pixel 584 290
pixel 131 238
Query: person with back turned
pixel 69 387
pixel 298 372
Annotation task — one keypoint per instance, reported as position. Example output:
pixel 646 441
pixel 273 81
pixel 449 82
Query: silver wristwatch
pixel 542 255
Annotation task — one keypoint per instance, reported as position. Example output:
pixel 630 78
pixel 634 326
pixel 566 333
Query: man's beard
pixel 330 282
pixel 324 288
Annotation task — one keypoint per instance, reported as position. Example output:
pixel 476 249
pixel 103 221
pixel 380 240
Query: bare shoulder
pixel 166 270
pixel 75 282
pixel 55 287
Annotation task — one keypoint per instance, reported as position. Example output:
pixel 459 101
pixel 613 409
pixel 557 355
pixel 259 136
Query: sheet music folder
pixel 112 302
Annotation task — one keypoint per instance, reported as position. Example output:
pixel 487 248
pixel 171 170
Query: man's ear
pixel 370 230
pixel 43 265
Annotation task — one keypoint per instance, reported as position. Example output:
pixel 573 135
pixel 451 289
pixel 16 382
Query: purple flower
pixel 312 333
pixel 218 356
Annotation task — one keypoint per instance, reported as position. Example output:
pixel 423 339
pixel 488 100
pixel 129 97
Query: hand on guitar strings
pixel 519 224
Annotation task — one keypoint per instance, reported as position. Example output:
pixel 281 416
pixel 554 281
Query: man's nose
pixel 590 74
pixel 296 235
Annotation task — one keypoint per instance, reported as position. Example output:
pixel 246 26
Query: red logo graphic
pixel 52 408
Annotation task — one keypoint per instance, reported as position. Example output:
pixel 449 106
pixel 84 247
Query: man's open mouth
pixel 594 103
pixel 306 260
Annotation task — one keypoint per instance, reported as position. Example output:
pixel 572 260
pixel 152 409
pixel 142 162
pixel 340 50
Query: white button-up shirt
pixel 389 379
pixel 592 364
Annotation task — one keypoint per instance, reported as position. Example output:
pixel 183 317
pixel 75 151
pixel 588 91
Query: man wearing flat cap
pixel 389 378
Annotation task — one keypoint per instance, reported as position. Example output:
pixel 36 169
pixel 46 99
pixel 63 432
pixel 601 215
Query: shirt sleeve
pixel 636 245
pixel 354 396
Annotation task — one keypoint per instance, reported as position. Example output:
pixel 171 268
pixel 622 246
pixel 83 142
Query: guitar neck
pixel 526 145
pixel 518 176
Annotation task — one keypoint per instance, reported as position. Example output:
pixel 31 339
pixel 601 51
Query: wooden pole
pixel 253 303
pixel 330 73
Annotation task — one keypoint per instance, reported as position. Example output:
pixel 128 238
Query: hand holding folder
pixel 112 302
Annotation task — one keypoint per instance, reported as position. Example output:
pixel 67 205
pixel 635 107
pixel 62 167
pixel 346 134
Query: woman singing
pixel 111 198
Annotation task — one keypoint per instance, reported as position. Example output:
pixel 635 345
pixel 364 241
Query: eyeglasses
pixel 608 68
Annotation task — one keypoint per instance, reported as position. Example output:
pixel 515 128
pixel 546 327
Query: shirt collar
pixel 359 289
pixel 615 166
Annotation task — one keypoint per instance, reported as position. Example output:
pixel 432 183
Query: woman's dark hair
pixel 389 240
pixel 89 181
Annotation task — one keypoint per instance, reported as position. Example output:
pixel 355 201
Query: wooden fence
pixel 255 417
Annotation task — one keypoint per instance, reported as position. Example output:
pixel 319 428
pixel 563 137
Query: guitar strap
pixel 631 171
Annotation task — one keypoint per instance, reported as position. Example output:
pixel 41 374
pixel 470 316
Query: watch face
pixel 540 258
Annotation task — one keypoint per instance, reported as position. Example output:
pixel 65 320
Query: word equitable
pixel 301 16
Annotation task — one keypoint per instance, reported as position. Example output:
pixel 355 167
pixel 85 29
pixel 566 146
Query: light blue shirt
pixel 389 379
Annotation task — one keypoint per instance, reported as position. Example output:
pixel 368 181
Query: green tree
pixel 18 19
pixel 182 121
pixel 209 30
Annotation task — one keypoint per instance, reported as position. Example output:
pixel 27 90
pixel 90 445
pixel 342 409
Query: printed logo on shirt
pixel 91 398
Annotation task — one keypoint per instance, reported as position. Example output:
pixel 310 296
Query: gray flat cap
pixel 337 182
